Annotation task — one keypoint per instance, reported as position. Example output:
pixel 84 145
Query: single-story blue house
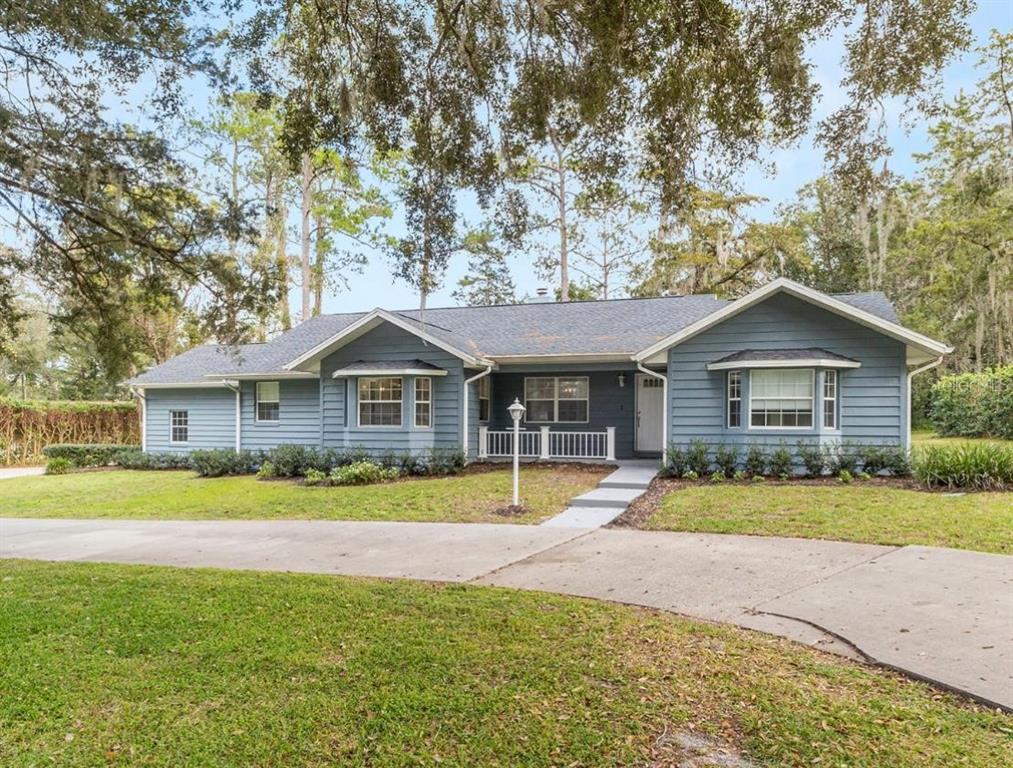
pixel 601 379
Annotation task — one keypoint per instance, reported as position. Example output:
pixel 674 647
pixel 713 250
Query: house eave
pixel 733 365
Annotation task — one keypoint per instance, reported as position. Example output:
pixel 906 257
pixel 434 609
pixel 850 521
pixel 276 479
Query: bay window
pixel 559 399
pixel 380 401
pixel 781 398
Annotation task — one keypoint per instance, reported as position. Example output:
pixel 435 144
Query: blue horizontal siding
pixel 298 415
pixel 212 417
pixel 871 397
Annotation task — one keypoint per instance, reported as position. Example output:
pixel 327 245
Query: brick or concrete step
pixel 583 517
pixel 631 476
pixel 618 498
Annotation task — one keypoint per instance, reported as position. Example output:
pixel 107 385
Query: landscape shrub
pixel 268 472
pixel 844 476
pixel 135 459
pixel 985 466
pixel 842 457
pixel 974 404
pixel 690 475
pixel 697 458
pixel 756 461
pixel 718 477
pixel 675 465
pixel 219 462
pixel 780 462
pixel 59 466
pixel 87 454
pixel 363 473
pixel 293 460
pixel 26 427
pixel 812 458
pixel 316 477
pixel 873 458
pixel 726 457
pixel 897 460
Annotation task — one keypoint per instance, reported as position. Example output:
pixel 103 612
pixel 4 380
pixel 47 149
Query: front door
pixel 650 413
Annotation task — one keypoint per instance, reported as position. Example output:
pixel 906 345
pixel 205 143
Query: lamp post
pixel 516 411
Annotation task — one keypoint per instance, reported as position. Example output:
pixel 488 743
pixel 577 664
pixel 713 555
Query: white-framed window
pixel 179 426
pixel 380 401
pixel 781 398
pixel 830 398
pixel 734 389
pixel 561 399
pixel 484 391
pixel 268 401
pixel 424 401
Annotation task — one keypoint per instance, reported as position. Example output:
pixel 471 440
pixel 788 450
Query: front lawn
pixel 126 665
pixel 470 497
pixel 872 513
pixel 923 437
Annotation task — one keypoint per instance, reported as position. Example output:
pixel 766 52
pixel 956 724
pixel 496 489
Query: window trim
pixel 257 401
pixel 729 399
pixel 556 399
pixel 811 398
pixel 428 402
pixel 172 426
pixel 359 401
pixel 486 384
pixel 836 400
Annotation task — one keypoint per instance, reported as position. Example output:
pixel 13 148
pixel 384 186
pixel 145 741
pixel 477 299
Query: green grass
pixel 875 514
pixel 921 437
pixel 138 666
pixel 470 497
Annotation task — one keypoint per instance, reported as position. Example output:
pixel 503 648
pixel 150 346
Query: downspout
pixel 138 392
pixel 911 374
pixel 664 409
pixel 237 388
pixel 464 409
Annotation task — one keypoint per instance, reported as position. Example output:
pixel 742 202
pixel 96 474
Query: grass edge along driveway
pixel 469 497
pixel 134 665
pixel 870 513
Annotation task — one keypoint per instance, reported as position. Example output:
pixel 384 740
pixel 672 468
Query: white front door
pixel 650 413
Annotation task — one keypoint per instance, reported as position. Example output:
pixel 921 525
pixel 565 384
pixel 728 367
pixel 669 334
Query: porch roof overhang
pixel 389 368
pixel 809 357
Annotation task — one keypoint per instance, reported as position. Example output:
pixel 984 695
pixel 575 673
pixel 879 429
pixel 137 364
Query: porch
pixel 545 444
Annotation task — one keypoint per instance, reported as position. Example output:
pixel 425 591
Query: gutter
pixel 664 408
pixel 910 375
pixel 234 386
pixel 464 407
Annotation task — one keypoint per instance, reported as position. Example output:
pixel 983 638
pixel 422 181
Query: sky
pixel 792 168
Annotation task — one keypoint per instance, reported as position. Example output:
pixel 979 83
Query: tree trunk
pixel 319 265
pixel 564 253
pixel 306 204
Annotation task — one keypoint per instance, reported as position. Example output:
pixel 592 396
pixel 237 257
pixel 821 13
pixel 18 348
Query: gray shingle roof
pixel 615 327
pixel 802 353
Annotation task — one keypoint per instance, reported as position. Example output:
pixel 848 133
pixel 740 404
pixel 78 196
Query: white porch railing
pixel 546 444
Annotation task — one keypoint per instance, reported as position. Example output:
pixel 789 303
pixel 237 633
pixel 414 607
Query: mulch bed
pixel 645 506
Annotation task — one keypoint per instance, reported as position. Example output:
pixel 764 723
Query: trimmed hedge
pixel 87 454
pixel 26 427
pixel 974 404
pixel 136 459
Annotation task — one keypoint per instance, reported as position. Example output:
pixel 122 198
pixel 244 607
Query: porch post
pixel 483 442
pixel 543 453
pixel 610 444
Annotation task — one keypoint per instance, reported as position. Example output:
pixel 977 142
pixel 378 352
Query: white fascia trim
pixel 382 314
pixel 809 363
pixel 583 357
pixel 263 376
pixel 346 372
pixel 184 385
pixel 798 290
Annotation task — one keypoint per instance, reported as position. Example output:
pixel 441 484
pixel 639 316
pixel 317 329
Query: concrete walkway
pixel 610 499
pixel 8 473
pixel 940 614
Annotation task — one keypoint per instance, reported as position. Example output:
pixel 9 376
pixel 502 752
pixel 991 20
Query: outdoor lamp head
pixel 516 410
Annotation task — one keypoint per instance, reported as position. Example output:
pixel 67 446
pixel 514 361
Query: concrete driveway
pixel 939 614
pixel 9 473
